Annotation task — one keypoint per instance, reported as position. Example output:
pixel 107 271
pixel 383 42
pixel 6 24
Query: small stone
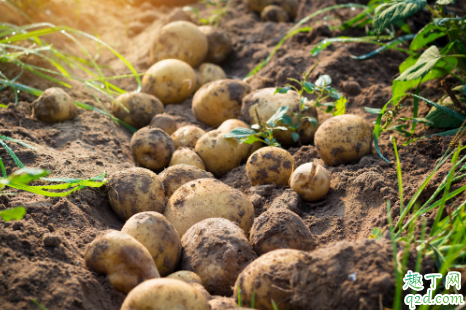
pixel 50 227
pixel 51 240
pixel 352 88
pixel 18 225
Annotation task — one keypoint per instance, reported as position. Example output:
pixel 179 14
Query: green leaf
pixel 464 90
pixel 323 81
pixel 309 88
pixel 277 116
pixel 240 133
pixel 313 121
pixel 335 94
pixel 376 234
pixel 443 108
pixel 13 214
pixel 256 126
pixel 396 11
pixel 282 90
pixel 445 2
pixel 281 128
pixel 373 111
pixel 440 119
pixel 340 106
pixel 26 175
pixel 251 139
pixel 427 34
pixel 286 120
pixel 295 136
pixel 425 63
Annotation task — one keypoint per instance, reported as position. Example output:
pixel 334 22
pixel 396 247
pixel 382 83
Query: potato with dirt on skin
pixel 152 148
pixel 219 44
pixel 207 73
pixel 307 129
pixel 140 108
pixel 165 122
pixel 290 6
pixel 218 101
pixel 124 260
pixel 201 199
pixel 311 181
pixel 274 13
pixel 192 279
pixel 176 176
pixel 343 139
pixel 135 190
pixel 246 149
pixel 54 105
pixel 186 156
pixel 270 165
pixel 170 80
pixel 187 136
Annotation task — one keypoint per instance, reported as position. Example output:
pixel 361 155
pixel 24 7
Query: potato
pixel 217 250
pixel 270 165
pixel 124 260
pixel 192 279
pixel 218 153
pixel 165 294
pixel 154 232
pixel 218 101
pixel 306 129
pixel 223 303
pixel 135 190
pixel 310 181
pixel 152 148
pixel 208 198
pixel 246 149
pixel 53 106
pixel 343 139
pixel 165 122
pixel 274 13
pixel 141 108
pixel 187 136
pixel 178 15
pixel 174 177
pixel 170 80
pixel 280 229
pixel 207 73
pixel 180 40
pixel 186 156
pixel 290 6
pixel 219 44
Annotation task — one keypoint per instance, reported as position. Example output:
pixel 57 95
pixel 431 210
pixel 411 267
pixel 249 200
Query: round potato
pixel 53 106
pixel 165 122
pixel 274 13
pixel 180 40
pixel 186 276
pixel 219 44
pixel 170 80
pixel 310 181
pixel 174 177
pixel 306 128
pixel 154 232
pixel 246 149
pixel 290 6
pixel 165 294
pixel 135 190
pixel 270 165
pixel 186 156
pixel 208 198
pixel 218 101
pixel 140 108
pixel 223 303
pixel 124 260
pixel 343 139
pixel 187 136
pixel 217 250
pixel 207 73
pixel 152 148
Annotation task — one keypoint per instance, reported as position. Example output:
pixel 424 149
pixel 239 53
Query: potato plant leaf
pixel 278 116
pixel 323 81
pixel 295 136
pixel 251 139
pixel 340 106
pixel 446 2
pixel 444 109
pixel 396 11
pixel 13 214
pixel 240 133
pixel 373 111
pixel 309 88
pixel 440 119
pixel 282 90
pixel 427 34
pixel 425 63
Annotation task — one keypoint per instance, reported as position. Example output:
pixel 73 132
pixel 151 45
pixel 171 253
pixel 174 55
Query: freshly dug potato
pixel 343 139
pixel 219 44
pixel 180 40
pixel 218 101
pixel 53 106
pixel 174 177
pixel 124 260
pixel 246 149
pixel 165 294
pixel 223 303
pixel 217 250
pixel 270 165
pixel 187 136
pixel 274 13
pixel 154 232
pixel 135 190
pixel 165 122
pixel 141 108
pixel 218 153
pixel 186 156
pixel 208 198
pixel 306 129
pixel 207 73
pixel 192 279
pixel 152 148
pixel 290 6
pixel 310 181
pixel 170 80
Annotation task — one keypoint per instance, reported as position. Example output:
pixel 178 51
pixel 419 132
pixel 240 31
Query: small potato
pixel 174 177
pixel 201 199
pixel 170 80
pixel 187 136
pixel 219 44
pixel 274 13
pixel 141 108
pixel 124 260
pixel 152 148
pixel 165 122
pixel 246 149
pixel 207 73
pixel 310 181
pixel 186 276
pixel 290 6
pixel 154 232
pixel 53 106
pixel 343 139
pixel 218 101
pixel 306 129
pixel 165 294
pixel 217 250
pixel 135 190
pixel 186 156
pixel 270 165
pixel 180 40
pixel 223 303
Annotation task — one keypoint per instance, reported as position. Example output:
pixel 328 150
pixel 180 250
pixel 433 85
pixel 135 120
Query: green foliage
pixel 387 14
pixel 216 15
pixel 12 214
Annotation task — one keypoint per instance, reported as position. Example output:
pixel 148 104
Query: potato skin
pixel 174 177
pixel 207 73
pixel 274 13
pixel 223 303
pixel 186 156
pixel 187 136
pixel 290 6
pixel 201 199
pixel 152 148
pixel 218 101
pixel 165 294
pixel 141 108
pixel 124 260
pixel 180 40
pixel 219 44
pixel 54 105
pixel 270 165
pixel 343 139
pixel 135 190
pixel 186 276
pixel 246 149
pixel 217 250
pixel 165 122
pixel 311 181
pixel 306 129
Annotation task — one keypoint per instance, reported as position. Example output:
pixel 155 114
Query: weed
pixel 217 13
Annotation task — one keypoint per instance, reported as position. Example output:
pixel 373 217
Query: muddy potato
pixel 218 101
pixel 311 181
pixel 223 303
pixel 217 250
pixel 207 73
pixel 274 13
pixel 152 148
pixel 174 177
pixel 246 149
pixel 135 190
pixel 165 122
pixel 165 294
pixel 270 165
pixel 187 136
pixel 186 156
pixel 201 199
pixel 141 108
pixel 53 106
pixel 124 260
pixel 307 130
pixel 343 139
pixel 170 80
pixel 192 279
pixel 219 44
pixel 290 6
pixel 180 40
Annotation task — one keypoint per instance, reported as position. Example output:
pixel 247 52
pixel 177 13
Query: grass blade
pixel 398 174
